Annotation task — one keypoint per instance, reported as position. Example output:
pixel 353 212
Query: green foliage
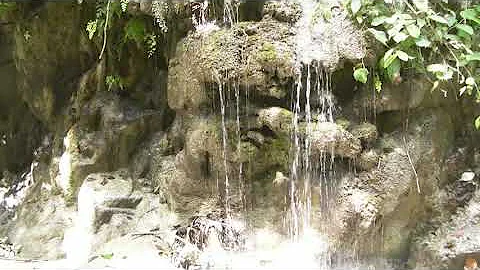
pixel 6 7
pixel 135 30
pixel 114 82
pixel 92 28
pixel 134 27
pixel 425 37
pixel 361 74
pixel 107 256
pixel 268 52
pixel 477 122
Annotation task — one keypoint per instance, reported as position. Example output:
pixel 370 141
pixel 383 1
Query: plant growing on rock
pixel 425 37
pixel 109 15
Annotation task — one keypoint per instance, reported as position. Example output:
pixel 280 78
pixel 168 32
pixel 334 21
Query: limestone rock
pixel 453 242
pixel 205 63
pixel 365 132
pixel 367 160
pixel 277 119
pixel 283 11
pixel 331 138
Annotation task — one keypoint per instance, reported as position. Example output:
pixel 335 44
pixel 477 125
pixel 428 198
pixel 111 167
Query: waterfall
pixel 221 92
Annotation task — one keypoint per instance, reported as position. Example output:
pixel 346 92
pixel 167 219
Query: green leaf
pixel 421 5
pixel 462 90
pixel 395 30
pixel 438 19
pixel 466 28
pixel 470 81
pixel 413 30
pixel 477 122
pixel 421 22
pixel 403 56
pixel 470 14
pixel 472 57
pixel 377 83
pixel 107 256
pixel 378 20
pixel 435 86
pixel 442 71
pixel 451 20
pixel 91 28
pixel 423 42
pixel 355 5
pixel 379 35
pixel 361 75
pixel 393 70
pixel 388 58
pixel 436 68
pixel 399 37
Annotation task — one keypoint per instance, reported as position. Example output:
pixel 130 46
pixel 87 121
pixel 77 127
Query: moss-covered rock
pixel 253 55
pixel 48 56
pixel 277 119
pixel 331 138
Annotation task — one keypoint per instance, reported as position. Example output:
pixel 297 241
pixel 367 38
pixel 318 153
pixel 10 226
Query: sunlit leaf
pixel 379 35
pixel 421 5
pixel 377 83
pixel 423 42
pixel 465 28
pixel 470 81
pixel 470 14
pixel 393 70
pixel 388 58
pixel 403 55
pixel 438 19
pixel 477 122
pixel 378 20
pixel 394 30
pixel 462 90
pixel 413 30
pixel 421 22
pixel 472 57
pixel 399 37
pixel 361 75
pixel 451 20
pixel 355 5
pixel 435 86
pixel 437 68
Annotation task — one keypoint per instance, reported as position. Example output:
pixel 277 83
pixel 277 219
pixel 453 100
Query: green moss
pixel 344 123
pixel 268 53
pixel 275 154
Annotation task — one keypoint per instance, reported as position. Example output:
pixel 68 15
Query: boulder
pixel 331 138
pixel 365 132
pixel 453 243
pixel 367 160
pixel 277 119
pixel 206 62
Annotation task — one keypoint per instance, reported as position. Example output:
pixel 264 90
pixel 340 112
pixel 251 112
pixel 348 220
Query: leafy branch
pixel 431 38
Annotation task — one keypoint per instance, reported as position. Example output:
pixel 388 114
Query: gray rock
pixel 453 242
pixel 367 160
pixel 332 138
pixel 365 132
pixel 277 119
pixel 283 11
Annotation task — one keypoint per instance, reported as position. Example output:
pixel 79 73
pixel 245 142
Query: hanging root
pixel 411 164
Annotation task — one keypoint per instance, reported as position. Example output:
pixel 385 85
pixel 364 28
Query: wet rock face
pixel 220 58
pixel 330 138
pixel 48 58
pixel 451 245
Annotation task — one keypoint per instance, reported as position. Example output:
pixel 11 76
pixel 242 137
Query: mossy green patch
pixel 268 53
